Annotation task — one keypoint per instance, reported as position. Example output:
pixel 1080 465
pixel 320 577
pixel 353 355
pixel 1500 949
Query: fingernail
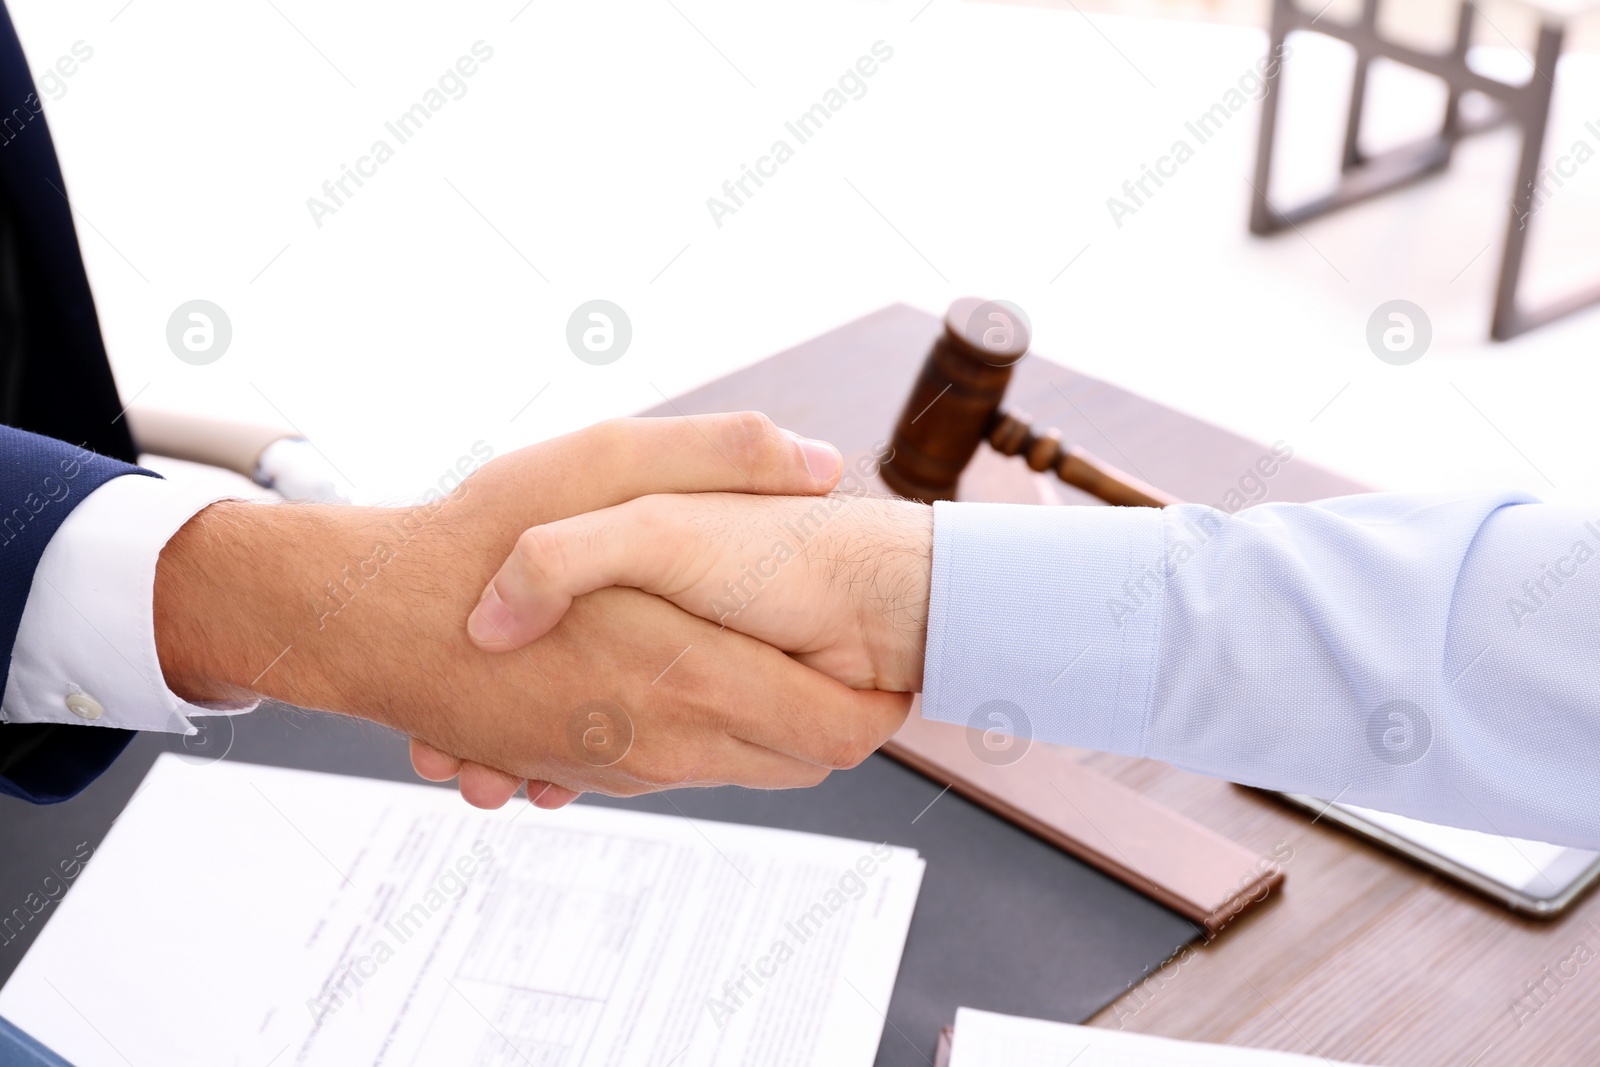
pixel 490 621
pixel 822 459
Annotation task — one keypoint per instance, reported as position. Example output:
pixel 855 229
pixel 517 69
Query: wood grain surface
pixel 1362 957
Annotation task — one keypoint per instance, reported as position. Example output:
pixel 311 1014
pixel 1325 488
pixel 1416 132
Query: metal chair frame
pixel 1366 176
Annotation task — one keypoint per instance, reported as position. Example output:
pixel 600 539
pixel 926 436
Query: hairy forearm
pixel 233 597
pixel 313 605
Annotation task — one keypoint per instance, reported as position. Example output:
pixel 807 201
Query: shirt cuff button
pixel 84 706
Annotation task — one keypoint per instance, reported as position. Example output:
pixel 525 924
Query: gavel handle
pixel 1012 435
pixel 1098 478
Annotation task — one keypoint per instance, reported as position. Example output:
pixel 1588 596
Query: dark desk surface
pixel 1362 957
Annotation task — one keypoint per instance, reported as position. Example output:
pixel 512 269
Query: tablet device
pixel 1532 877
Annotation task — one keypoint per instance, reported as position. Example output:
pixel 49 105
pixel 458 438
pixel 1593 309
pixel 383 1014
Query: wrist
pixel 235 607
pixel 900 591
pixel 330 607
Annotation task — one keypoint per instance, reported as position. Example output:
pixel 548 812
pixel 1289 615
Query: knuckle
pixel 482 792
pixel 609 431
pixel 852 753
pixel 751 437
pixel 604 781
pixel 609 443
pixel 668 772
pixel 648 512
pixel 539 553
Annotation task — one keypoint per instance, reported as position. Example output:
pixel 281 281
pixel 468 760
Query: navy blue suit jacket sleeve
pixel 41 481
pixel 55 383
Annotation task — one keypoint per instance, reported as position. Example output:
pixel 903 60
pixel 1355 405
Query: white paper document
pixel 984 1039
pixel 254 916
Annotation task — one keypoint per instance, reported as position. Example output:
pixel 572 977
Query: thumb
pixel 736 452
pixel 557 562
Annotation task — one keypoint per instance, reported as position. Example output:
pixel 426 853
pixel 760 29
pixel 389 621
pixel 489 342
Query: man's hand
pixel 841 582
pixel 360 611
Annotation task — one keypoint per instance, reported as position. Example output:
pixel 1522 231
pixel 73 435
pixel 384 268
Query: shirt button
pixel 84 706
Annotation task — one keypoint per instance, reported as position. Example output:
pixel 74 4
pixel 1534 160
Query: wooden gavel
pixel 955 407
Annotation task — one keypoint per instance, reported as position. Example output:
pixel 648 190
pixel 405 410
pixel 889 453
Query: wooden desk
pixel 1363 957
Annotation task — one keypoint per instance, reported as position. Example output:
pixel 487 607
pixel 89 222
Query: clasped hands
pixel 823 570
pixel 643 605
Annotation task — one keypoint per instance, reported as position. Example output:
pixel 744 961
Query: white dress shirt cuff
pixel 1044 622
pixel 86 649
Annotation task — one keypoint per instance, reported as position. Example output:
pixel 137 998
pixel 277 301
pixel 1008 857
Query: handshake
pixel 643 605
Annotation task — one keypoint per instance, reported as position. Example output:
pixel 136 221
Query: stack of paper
pixel 250 915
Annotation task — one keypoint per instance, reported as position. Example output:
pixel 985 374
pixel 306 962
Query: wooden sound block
pixel 1193 870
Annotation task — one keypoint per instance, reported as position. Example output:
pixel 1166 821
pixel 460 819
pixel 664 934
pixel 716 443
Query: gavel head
pixel 957 397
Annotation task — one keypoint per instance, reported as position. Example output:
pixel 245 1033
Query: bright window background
pixel 415 320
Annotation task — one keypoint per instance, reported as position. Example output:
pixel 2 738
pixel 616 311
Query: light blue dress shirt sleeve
pixel 1433 656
